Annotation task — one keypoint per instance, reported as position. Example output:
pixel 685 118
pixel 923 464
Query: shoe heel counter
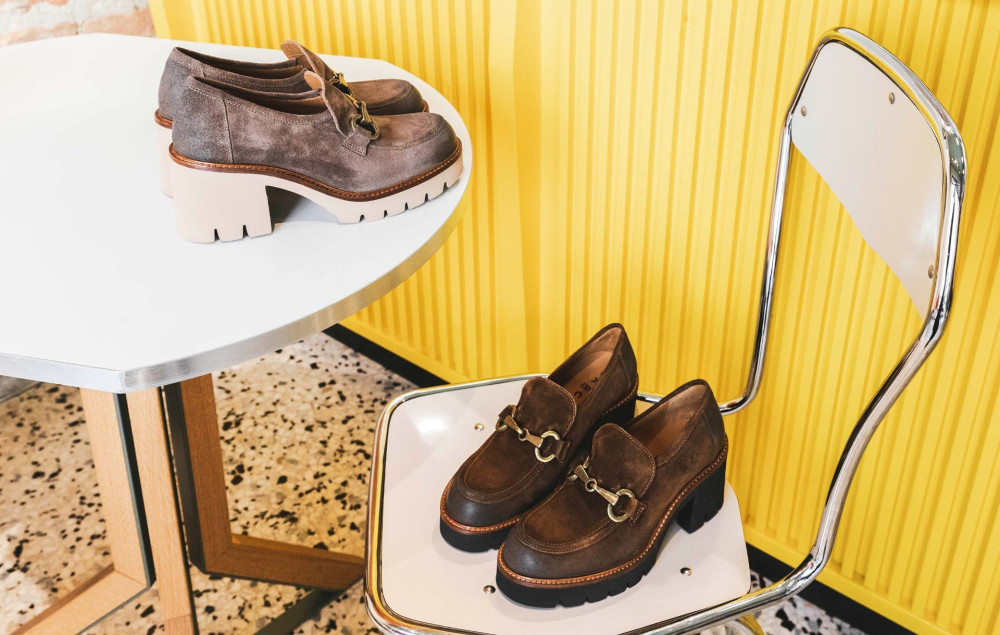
pixel 201 128
pixel 171 91
pixel 712 419
pixel 629 363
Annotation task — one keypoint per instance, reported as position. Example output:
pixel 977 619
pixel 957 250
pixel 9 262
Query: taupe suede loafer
pixel 382 96
pixel 536 440
pixel 600 531
pixel 230 145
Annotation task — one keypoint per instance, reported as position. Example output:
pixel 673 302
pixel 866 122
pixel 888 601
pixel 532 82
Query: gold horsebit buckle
pixel 361 117
pixel 523 434
pixel 590 484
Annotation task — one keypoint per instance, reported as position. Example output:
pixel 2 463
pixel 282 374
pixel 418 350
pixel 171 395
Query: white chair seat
pixel 422 584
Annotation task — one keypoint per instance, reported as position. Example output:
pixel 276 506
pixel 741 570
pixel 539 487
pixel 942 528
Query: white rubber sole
pixel 213 205
pixel 163 135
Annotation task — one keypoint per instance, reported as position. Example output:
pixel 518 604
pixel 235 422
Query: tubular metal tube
pixel 953 164
pixel 767 279
pixel 953 160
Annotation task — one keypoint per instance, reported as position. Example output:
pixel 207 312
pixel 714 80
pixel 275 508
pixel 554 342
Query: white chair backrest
pixel 880 156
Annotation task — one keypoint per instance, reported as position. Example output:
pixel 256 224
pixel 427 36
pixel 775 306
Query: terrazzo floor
pixel 297 428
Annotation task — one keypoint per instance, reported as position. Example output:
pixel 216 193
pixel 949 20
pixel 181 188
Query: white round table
pixel 105 296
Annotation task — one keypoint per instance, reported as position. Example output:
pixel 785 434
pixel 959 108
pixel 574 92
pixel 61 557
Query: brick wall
pixel 26 20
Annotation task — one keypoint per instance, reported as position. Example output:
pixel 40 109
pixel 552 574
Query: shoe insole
pixel 585 380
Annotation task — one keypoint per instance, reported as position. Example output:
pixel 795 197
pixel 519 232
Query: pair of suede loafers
pixel 228 129
pixel 576 490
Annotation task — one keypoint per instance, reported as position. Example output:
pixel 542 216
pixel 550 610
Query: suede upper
pixel 319 137
pixel 383 96
pixel 571 534
pixel 504 477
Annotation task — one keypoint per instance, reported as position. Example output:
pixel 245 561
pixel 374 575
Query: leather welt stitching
pixel 161 120
pixel 468 528
pixel 659 529
pixel 302 179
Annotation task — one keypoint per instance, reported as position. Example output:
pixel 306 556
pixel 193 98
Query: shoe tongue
pixel 617 460
pixel 307 59
pixel 339 104
pixel 545 405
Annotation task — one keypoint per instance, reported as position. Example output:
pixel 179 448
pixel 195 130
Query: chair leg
pixel 746 625
pixel 149 430
pixel 127 575
pixel 212 545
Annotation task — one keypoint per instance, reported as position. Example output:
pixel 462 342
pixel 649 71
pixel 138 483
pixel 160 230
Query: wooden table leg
pixel 127 576
pixel 149 429
pixel 212 545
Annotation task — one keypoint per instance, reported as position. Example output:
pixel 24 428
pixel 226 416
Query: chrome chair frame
pixel 953 168
pixel 738 614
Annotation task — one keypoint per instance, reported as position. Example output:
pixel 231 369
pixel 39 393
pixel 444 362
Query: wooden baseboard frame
pixel 87 604
pixel 212 545
pixel 129 574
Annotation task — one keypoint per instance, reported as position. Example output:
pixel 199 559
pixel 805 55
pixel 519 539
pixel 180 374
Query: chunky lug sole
pixel 477 539
pixel 218 201
pixel 164 130
pixel 697 503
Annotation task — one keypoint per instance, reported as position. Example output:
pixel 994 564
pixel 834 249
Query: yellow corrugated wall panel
pixel 624 160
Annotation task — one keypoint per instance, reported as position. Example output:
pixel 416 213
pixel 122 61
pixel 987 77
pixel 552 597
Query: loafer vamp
pixel 499 482
pixel 504 478
pixel 571 533
pixel 587 555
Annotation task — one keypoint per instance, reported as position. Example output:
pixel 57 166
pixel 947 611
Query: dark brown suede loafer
pixel 601 530
pixel 537 439
pixel 230 145
pixel 382 96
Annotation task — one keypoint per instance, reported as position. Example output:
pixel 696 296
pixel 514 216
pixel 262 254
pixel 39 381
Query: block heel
pixel 704 502
pixel 163 134
pixel 210 205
